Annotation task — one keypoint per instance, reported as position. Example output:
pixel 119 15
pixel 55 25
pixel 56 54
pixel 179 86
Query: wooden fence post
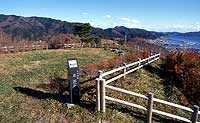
pixel 23 48
pixel 151 53
pixel 6 49
pixel 102 95
pixel 100 74
pixel 36 46
pixel 138 48
pixel 98 90
pixel 139 62
pixel 98 94
pixel 47 46
pixel 149 59
pixel 195 114
pixel 124 70
pixel 149 108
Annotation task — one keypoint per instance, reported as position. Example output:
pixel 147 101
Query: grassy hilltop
pixel 25 95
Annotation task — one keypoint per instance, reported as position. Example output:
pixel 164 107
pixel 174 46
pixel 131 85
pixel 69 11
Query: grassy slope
pixel 30 69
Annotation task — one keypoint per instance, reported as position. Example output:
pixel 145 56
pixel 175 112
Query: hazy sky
pixel 158 15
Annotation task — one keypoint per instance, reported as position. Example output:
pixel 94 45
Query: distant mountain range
pixel 121 32
pixel 33 27
pixel 36 28
pixel 39 27
pixel 189 34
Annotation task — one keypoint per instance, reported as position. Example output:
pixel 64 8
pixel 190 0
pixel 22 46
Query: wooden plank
pixel 134 69
pixel 172 104
pixel 155 55
pixel 130 71
pixel 129 65
pixel 100 74
pixel 115 78
pixel 98 94
pixel 113 71
pixel 149 108
pixel 126 92
pixel 195 114
pixel 132 64
pixel 150 61
pixel 125 103
pixel 144 59
pixel 102 95
pixel 125 70
pixel 171 115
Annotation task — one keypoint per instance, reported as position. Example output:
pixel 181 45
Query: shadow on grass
pixel 89 105
pixel 140 115
pixel 86 104
pixel 58 89
pixel 42 95
pixel 56 84
pixel 167 82
pixel 119 108
pixel 88 80
pixel 61 85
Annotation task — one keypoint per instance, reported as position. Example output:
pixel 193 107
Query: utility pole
pixel 125 38
pixel 1 36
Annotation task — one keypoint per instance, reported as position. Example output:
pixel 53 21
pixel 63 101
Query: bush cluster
pixel 145 54
pixel 91 70
pixel 184 68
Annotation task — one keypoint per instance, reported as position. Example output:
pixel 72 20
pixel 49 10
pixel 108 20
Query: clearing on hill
pixel 26 94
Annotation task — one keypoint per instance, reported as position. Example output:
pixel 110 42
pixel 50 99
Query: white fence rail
pixel 102 84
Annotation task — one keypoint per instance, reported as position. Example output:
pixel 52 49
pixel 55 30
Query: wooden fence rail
pixel 102 84
pixel 23 47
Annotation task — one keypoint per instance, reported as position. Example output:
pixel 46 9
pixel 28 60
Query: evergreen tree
pixel 84 32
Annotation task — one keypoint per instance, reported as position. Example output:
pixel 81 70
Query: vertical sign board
pixel 73 75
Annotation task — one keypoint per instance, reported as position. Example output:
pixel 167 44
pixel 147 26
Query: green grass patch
pixel 28 70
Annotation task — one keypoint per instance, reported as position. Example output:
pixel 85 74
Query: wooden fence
pixel 102 84
pixel 23 47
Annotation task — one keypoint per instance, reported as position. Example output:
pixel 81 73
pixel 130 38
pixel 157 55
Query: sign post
pixel 73 76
